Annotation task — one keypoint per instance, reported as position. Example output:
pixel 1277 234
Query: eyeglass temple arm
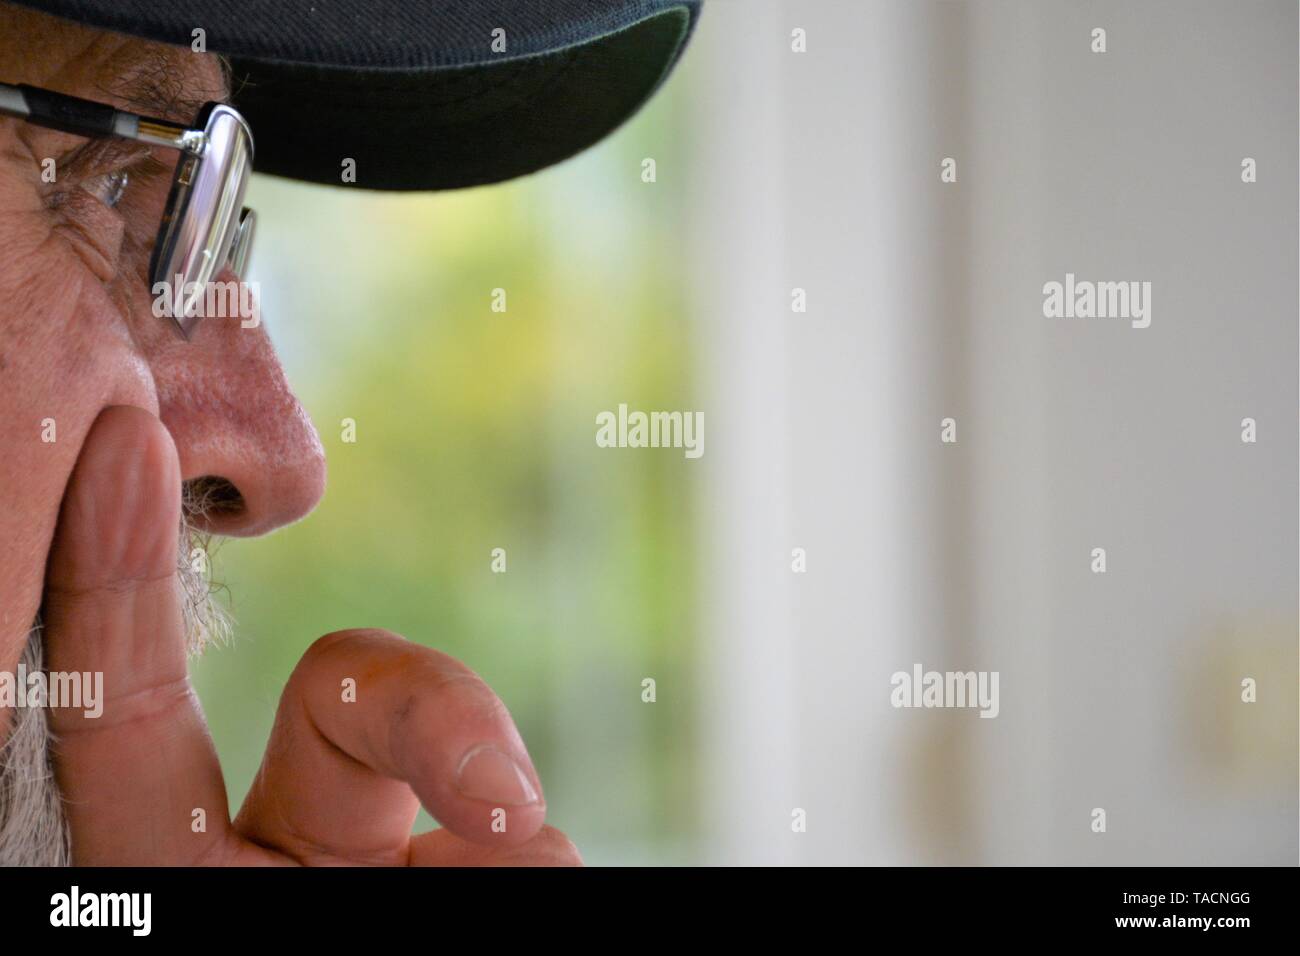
pixel 69 114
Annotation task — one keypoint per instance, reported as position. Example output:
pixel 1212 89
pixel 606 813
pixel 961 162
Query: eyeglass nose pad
pixel 241 250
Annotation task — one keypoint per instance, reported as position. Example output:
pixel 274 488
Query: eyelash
pixel 109 187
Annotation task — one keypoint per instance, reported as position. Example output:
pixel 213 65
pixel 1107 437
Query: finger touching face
pixel 78 329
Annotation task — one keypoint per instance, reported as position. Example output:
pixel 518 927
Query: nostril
pixel 211 498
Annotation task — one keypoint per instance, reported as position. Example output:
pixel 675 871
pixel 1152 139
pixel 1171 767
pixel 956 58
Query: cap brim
pixel 420 96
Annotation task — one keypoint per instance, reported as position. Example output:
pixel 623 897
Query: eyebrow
pixel 163 84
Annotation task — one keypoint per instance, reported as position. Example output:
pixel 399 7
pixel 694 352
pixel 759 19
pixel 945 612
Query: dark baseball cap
pixel 422 94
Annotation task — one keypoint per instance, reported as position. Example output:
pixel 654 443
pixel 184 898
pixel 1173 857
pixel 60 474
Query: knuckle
pixel 464 694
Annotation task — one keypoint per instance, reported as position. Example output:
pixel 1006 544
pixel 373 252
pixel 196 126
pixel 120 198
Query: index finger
pixel 138 775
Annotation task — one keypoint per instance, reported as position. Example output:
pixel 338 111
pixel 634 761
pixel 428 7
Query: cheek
pixel 65 354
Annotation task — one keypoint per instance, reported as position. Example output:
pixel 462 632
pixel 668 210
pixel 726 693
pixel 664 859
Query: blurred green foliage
pixel 475 430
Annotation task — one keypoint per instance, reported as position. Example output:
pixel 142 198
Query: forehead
pixel 158 80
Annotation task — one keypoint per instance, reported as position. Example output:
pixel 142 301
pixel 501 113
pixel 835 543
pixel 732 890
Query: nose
pixel 247 448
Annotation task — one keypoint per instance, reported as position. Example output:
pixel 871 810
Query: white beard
pixel 33 830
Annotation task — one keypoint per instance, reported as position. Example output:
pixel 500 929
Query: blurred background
pixel 819 170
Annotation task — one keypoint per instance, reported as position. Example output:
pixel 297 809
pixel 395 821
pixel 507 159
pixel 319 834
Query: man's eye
pixel 109 187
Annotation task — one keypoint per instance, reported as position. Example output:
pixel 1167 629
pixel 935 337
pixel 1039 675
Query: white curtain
pixel 1122 691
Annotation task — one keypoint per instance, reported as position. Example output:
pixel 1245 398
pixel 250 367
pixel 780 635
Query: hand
pixel 341 782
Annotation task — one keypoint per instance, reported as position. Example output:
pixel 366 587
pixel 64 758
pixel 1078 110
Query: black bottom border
pixel 331 905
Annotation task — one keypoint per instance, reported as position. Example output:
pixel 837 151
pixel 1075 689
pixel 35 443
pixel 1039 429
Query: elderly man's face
pixel 77 330
pixel 88 524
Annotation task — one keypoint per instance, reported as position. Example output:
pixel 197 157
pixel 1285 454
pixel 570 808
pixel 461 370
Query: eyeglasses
pixel 205 226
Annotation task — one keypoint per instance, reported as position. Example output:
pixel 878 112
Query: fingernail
pixel 487 774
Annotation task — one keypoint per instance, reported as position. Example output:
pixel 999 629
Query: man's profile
pixel 127 438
